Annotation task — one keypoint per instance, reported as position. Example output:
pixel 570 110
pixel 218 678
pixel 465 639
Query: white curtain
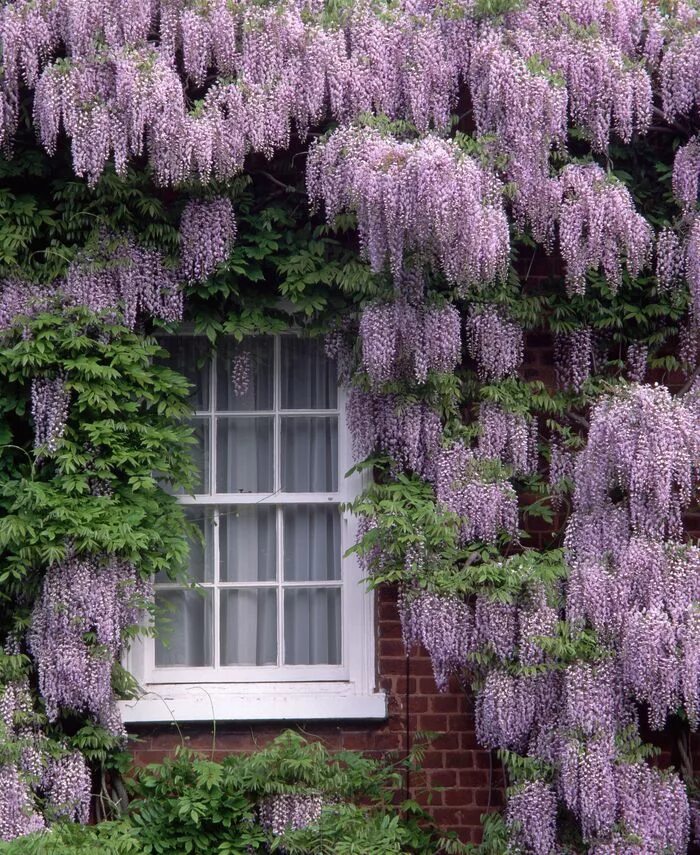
pixel 185 636
pixel 247 535
pixel 311 543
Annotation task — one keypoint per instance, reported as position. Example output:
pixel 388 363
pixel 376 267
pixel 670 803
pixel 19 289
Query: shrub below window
pixel 291 797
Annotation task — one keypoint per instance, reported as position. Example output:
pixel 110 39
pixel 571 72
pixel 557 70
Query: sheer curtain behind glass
pixel 273 594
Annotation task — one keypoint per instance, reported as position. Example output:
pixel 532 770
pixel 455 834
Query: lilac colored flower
pixel 18 815
pixel 496 627
pixel 207 234
pixel 401 339
pixel 408 195
pixel 599 228
pixel 505 711
pixel 82 596
pixel 508 437
pixel 573 357
pixel 283 812
pixel 50 404
pixel 444 626
pixel 531 816
pixel 486 508
pixel 494 342
pixel 67 785
pixel 241 373
pixel 409 433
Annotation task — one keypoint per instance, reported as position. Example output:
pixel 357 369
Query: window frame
pixel 282 691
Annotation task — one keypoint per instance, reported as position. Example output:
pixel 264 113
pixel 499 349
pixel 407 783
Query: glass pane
pixel 244 455
pixel 185 624
pixel 201 558
pixel 312 626
pixel 200 454
pixel 309 454
pixel 189 355
pixel 311 544
pixel 309 377
pixel 248 544
pixel 250 363
pixel 249 627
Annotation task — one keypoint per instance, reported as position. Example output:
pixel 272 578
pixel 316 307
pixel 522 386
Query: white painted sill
pixel 253 702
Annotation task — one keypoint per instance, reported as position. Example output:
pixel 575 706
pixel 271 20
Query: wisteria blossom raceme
pixel 443 625
pixel 561 469
pixel 241 373
pixel 207 234
pixel 526 110
pixel 531 815
pixel 401 340
pixel 573 357
pixel 494 342
pixel 67 784
pixel 282 812
pixel 646 443
pixel 123 280
pixel 410 195
pixel 486 508
pixel 496 627
pixel 18 815
pixel 50 403
pixel 410 433
pixel 505 711
pixel 508 437
pixel 599 228
pixel 636 362
pixel 670 259
pixel 81 596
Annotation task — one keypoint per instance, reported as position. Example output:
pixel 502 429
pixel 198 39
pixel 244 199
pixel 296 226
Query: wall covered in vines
pixel 383 173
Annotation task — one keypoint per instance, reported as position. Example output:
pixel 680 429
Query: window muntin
pixel 270 604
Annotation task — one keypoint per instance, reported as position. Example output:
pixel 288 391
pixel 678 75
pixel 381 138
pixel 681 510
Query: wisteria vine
pixel 457 131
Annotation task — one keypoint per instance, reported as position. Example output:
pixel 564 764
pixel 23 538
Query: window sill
pixel 253 702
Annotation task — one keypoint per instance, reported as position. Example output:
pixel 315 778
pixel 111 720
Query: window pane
pixel 244 455
pixel 249 627
pixel 312 626
pixel 309 377
pixel 248 544
pixel 309 454
pixel 200 454
pixel 257 353
pixel 311 544
pixel 185 624
pixel 201 559
pixel 189 355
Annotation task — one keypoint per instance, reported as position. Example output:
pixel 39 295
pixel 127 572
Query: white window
pixel 280 625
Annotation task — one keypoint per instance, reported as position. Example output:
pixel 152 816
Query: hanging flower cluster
pixel 532 817
pixel 122 280
pixel 409 433
pixel 599 227
pixel 207 233
pixel 508 437
pixel 401 340
pixel 573 357
pixel 485 507
pixel 282 812
pixel 443 625
pixel 50 403
pixel 410 195
pixel 62 780
pixel 77 631
pixel 494 342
